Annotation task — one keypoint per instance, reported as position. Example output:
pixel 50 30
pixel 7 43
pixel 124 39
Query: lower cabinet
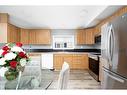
pixel 80 61
pixel 69 59
pixel 75 61
pixel 57 61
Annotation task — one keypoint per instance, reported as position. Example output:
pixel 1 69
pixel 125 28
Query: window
pixel 63 42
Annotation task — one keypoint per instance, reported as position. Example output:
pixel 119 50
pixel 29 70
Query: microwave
pixel 98 39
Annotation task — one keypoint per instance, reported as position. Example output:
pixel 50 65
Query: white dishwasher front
pixel 47 60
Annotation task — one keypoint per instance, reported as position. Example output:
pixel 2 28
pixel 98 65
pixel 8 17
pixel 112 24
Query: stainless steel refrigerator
pixel 114 52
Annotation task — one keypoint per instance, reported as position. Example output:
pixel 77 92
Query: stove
pixel 94 65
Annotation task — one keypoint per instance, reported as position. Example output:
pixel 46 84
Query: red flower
pixel 5 52
pixel 22 55
pixel 5 48
pixel 13 64
pixel 19 44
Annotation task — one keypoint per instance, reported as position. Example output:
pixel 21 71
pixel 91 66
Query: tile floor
pixel 79 79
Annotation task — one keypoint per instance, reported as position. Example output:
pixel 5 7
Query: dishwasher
pixel 47 60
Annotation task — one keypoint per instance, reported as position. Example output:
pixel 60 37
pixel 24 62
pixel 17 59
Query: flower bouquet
pixel 12 60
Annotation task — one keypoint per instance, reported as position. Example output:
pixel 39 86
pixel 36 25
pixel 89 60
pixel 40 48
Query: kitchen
pixel 80 47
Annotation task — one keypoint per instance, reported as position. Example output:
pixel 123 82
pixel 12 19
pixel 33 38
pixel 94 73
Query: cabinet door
pixel 81 36
pixel 39 36
pixel 32 37
pixel 89 36
pixel 3 32
pixel 80 61
pixel 69 59
pixel 13 33
pixel 43 36
pixel 4 18
pixel 24 36
pixel 57 61
pixel 97 31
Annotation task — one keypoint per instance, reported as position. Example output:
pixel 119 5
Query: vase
pixel 20 68
pixel 11 75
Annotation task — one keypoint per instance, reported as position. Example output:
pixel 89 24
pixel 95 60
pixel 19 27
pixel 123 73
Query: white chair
pixel 63 76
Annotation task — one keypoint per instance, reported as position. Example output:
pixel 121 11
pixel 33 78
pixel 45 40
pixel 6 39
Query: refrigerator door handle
pixel 110 44
pixel 114 76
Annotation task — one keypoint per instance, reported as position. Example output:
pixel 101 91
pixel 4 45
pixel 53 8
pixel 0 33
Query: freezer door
pixel 113 81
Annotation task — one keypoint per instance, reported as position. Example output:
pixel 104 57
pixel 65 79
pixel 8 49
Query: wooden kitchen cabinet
pixel 8 32
pixel 32 37
pixel 13 33
pixel 81 34
pixel 43 36
pixel 69 59
pixel 75 61
pixel 39 36
pixel 97 31
pixel 57 61
pixel 24 36
pixel 4 17
pixel 85 36
pixel 89 36
pixel 80 61
pixel 3 32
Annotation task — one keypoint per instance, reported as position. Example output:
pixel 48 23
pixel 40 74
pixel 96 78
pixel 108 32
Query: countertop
pixel 65 50
pixel 70 51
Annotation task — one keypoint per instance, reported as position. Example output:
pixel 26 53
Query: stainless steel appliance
pixel 114 52
pixel 94 66
pixel 98 39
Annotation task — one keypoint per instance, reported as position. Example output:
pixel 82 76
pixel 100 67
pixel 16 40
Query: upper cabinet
pixel 39 36
pixel 24 36
pixel 97 31
pixel 32 37
pixel 35 36
pixel 85 36
pixel 3 32
pixel 89 36
pixel 81 36
pixel 13 33
pixel 43 36
pixel 8 32
pixel 4 18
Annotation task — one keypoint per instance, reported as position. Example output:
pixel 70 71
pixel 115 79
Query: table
pixel 25 82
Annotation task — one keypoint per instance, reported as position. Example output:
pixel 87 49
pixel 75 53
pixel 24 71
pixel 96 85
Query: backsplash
pixel 37 46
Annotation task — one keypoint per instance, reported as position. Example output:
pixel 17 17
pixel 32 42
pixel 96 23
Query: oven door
pixel 94 65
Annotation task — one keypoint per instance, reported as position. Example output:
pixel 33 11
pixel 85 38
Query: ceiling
pixel 57 17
